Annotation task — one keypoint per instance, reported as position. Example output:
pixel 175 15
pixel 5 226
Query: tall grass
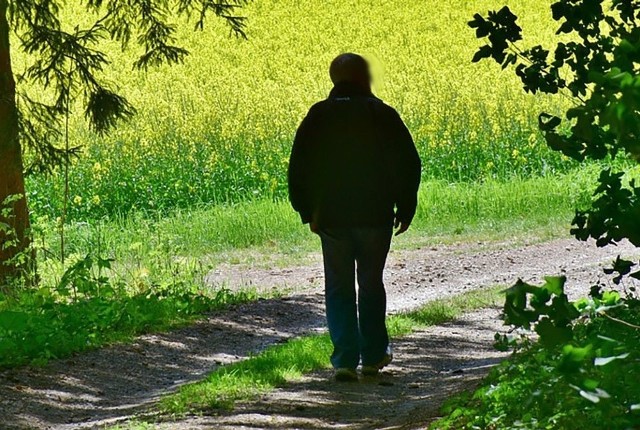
pixel 150 249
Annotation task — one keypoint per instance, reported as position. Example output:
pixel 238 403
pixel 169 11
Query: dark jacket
pixel 353 163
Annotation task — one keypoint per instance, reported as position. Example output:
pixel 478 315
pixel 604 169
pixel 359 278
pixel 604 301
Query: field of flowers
pixel 219 128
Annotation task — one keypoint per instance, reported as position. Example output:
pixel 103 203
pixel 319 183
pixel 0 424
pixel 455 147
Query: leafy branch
pixel 600 66
pixel 68 65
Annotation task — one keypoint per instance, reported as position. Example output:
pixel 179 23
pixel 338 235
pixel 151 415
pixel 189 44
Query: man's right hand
pixel 401 226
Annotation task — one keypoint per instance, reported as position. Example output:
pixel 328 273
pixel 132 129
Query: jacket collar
pixel 349 89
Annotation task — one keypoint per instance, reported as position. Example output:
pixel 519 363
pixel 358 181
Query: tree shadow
pixel 111 383
pixel 431 365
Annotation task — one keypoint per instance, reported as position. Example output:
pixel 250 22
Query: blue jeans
pixel 356 326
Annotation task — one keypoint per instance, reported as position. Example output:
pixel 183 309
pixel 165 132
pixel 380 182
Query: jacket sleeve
pixel 299 167
pixel 407 170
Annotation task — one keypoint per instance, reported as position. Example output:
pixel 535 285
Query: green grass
pixel 35 327
pixel 167 258
pixel 148 249
pixel 281 363
pixel 133 425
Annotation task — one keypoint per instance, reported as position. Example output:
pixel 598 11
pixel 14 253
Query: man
pixel 354 174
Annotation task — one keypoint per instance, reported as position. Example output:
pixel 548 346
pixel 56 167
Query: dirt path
pixel 417 276
pixel 432 365
pixel 112 384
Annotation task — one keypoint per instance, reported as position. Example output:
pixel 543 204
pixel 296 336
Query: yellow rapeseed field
pixel 219 127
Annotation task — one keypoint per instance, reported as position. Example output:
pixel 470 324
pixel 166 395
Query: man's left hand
pixel 401 226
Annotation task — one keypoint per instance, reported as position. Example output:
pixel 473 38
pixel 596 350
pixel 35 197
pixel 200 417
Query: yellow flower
pixel 77 200
pixel 95 200
pixel 515 153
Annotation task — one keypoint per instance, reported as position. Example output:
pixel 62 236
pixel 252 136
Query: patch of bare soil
pixel 115 383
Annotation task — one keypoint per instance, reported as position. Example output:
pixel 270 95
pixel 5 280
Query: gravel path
pixel 115 383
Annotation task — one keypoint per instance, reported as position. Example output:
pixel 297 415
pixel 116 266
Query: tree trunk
pixel 14 217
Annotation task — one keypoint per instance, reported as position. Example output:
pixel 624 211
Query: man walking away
pixel 354 174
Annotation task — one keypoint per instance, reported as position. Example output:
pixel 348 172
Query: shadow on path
pixel 430 366
pixel 121 380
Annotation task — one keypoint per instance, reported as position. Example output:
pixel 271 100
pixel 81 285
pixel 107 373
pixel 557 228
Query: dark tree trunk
pixel 15 240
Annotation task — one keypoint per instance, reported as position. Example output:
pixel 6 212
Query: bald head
pixel 351 68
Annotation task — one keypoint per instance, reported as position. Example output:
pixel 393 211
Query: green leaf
pixel 555 284
pixel 590 384
pixel 626 46
pixel 552 335
pixel 14 321
pixel 576 353
pixel 610 298
pixel 596 77
pixel 515 307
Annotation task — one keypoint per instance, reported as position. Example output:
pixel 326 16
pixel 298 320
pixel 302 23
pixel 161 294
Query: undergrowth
pixel 582 373
pixel 87 310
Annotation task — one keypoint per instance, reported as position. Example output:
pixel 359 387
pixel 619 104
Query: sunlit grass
pixel 151 249
pixel 281 363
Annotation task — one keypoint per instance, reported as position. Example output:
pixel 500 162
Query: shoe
pixel 373 370
pixel 345 374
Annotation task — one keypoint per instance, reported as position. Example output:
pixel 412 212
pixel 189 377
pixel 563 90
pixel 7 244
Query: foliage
pixel 581 373
pixel 87 310
pixel 547 308
pixel 10 239
pixel 597 65
pixel 219 128
pixel 577 375
pixel 65 61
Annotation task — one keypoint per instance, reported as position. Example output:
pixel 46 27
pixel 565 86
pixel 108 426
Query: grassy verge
pixel 36 328
pixel 155 280
pixel 289 361
pixel 249 232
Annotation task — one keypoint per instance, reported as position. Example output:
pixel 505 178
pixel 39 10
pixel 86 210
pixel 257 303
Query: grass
pixel 35 327
pixel 281 363
pixel 156 280
pixel 150 249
